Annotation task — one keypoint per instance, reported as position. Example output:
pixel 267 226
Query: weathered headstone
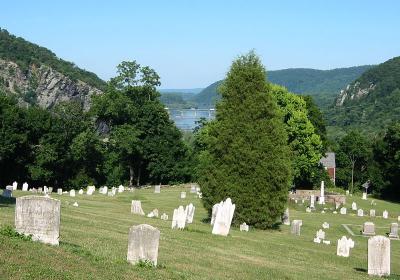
pixel 25 187
pixel 322 194
pixel 121 188
pixel 105 190
pixel 372 212
pixel 90 190
pixel 347 192
pixel 285 217
pixel 394 230
pixel 157 189
pixel 183 195
pixel 179 218
pixel 190 213
pixel 59 191
pixel 325 225
pixel 385 214
pixel 223 219
pixel 379 256
pixel 15 186
pixel 164 217
pixel 343 210
pixel 296 227
pixel 153 214
pixel 45 190
pixel 214 213
pixel 360 212
pixel 343 246
pixel 40 190
pixel 193 188
pixel 143 243
pixel 244 227
pixel 75 204
pixel 38 216
pixel 364 196
pixel 80 191
pixel 72 193
pixel 369 228
pixel 354 206
pixel 136 207
pixel 312 201
pixel 308 210
pixel 320 234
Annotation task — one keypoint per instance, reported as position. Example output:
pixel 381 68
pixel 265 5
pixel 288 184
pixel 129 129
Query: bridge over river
pixel 185 119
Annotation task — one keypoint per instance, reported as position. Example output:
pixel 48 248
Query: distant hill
pixel 181 90
pixel 371 101
pixel 323 85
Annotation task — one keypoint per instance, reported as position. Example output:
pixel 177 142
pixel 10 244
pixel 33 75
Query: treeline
pixel 125 138
pixel 26 54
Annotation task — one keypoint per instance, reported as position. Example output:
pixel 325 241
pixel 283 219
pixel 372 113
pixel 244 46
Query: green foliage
pixel 145 264
pixel 26 54
pixel 9 231
pixel 246 156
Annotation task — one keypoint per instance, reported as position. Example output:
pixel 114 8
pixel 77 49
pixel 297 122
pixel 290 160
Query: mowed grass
pixel 94 238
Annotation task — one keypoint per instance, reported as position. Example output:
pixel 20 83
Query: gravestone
pixel 326 242
pixel 296 227
pixel 136 207
pixel 25 187
pixel 360 212
pixel 308 210
pixel 143 243
pixel 72 193
pixel 322 195
pixel 368 229
pixel 183 195
pixel 320 234
pixel 244 227
pixel 198 189
pixel 121 189
pixel 354 206
pixel 179 218
pixel 325 225
pixel 59 191
pixel 7 193
pixel 38 216
pixel 90 190
pixel 14 185
pixel 347 192
pixel 40 190
pixel 50 189
pixel 372 212
pixel 105 190
pixel 223 218
pixel 153 214
pixel 157 189
pixel 80 191
pixel 398 218
pixel 385 214
pixel 394 230
pixel 75 204
pixel 45 190
pixel 164 217
pixel 285 217
pixel 343 247
pixel 379 256
pixel 343 210
pixel 214 213
pixel 193 188
pixel 312 201
pixel 190 213
pixel 364 196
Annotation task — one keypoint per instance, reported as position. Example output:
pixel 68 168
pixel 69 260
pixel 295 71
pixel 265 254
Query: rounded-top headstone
pixel 143 243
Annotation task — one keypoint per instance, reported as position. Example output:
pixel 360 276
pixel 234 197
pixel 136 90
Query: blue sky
pixel 192 43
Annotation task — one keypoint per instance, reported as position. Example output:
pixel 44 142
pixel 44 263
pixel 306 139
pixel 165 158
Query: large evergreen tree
pixel 247 157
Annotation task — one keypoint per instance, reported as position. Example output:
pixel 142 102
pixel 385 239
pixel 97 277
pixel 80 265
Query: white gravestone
pixel 343 247
pixel 45 189
pixel 364 196
pixel 157 189
pixel 285 217
pixel 322 195
pixel 143 243
pixel 398 218
pixel 75 204
pixel 80 191
pixel 343 211
pixel 325 225
pixel 296 227
pixel 179 218
pixel 360 212
pixel 394 230
pixel 14 185
pixel 244 227
pixel 372 212
pixel 72 193
pixel 190 213
pixel 223 219
pixel 385 214
pixel 320 234
pixel 136 207
pixel 214 213
pixel 59 191
pixel 312 201
pixel 347 192
pixel 183 195
pixel 90 190
pixel 40 217
pixel 369 228
pixel 354 206
pixel 25 187
pixel 153 214
pixel 121 189
pixel 317 240
pixel 105 190
pixel 379 256
pixel 164 217
pixel 308 210
pixel 50 189
pixel 193 188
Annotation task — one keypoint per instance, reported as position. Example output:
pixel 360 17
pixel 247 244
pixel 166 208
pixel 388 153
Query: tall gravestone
pixel 15 185
pixel 343 246
pixel 121 188
pixel 25 187
pixel 394 230
pixel 385 214
pixel 296 227
pixel 72 193
pixel 379 256
pixel 223 218
pixel 179 218
pixel 285 217
pixel 59 191
pixel 190 213
pixel 157 189
pixel 136 207
pixel 40 217
pixel 143 243
pixel 322 194
pixel 312 201
pixel 193 188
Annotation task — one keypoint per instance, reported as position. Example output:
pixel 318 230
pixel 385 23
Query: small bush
pixel 9 231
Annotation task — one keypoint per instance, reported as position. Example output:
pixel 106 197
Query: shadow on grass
pixel 7 201
pixel 359 269
pixel 392 276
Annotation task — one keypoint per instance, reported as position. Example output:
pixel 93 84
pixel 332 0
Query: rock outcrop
pixel 353 92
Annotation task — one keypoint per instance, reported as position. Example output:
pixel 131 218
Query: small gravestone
pixel 296 227
pixel 38 216
pixel 104 190
pixel 385 214
pixel 394 230
pixel 157 189
pixel 45 190
pixel 317 240
pixel 164 217
pixel 312 201
pixel 75 204
pixel 183 195
pixel 7 193
pixel 121 188
pixel 80 191
pixel 198 189
pixel 285 217
pixel 360 213
pixel 325 225
pixel 308 210
pixel 15 186
pixel 90 190
pixel 136 207
pixel 193 188
pixel 326 242
pixel 25 187
pixel 320 234
pixel 244 227
pixel 354 206
pixel 40 190
pixel 372 212
pixel 72 193
pixel 223 218
pixel 322 194
pixel 143 243
pixel 59 191
pixel 189 213
pixel 343 211
pixel 179 218
pixel 379 256
pixel 343 247
pixel 347 192
pixel 153 214
pixel 364 196
pixel 368 229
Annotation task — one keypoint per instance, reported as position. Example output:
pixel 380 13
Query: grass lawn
pixel 93 243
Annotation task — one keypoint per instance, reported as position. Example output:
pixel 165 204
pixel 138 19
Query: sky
pixel 191 44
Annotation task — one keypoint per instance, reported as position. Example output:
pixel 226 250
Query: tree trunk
pixel 352 176
pixel 131 174
pixel 138 177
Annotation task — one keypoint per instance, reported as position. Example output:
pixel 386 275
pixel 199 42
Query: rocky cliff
pixel 353 91
pixel 43 85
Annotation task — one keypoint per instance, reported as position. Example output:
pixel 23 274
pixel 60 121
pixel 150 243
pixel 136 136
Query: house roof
pixel 328 161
